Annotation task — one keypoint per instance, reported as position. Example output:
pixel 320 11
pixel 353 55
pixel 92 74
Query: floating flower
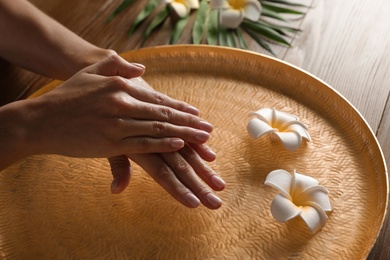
pixel 282 125
pixel 233 12
pixel 300 195
pixel 183 7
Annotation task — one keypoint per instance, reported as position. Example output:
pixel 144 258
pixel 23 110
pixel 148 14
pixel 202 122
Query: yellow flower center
pixel 298 202
pixel 183 2
pixel 237 4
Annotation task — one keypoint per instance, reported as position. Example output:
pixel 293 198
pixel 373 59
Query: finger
pixel 150 145
pixel 187 175
pixel 158 169
pixel 204 151
pixel 121 171
pixel 208 175
pixel 141 90
pixel 148 111
pixel 157 129
pixel 116 66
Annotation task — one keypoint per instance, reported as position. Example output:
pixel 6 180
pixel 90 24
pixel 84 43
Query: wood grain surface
pixel 344 43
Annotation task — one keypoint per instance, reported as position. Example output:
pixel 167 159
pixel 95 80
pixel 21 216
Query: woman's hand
pixel 179 173
pixel 106 110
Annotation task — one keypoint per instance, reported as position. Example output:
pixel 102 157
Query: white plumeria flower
pixel 183 7
pixel 284 126
pixel 300 195
pixel 233 12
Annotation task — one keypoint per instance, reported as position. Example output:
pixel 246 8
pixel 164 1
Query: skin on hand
pixel 102 112
pixel 183 174
pixel 107 110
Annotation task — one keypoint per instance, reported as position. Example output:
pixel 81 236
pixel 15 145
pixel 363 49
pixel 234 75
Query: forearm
pixel 36 42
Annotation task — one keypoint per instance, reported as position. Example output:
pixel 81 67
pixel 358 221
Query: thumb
pixel 121 171
pixel 117 66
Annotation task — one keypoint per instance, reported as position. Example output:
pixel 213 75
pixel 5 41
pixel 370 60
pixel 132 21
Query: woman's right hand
pixel 107 110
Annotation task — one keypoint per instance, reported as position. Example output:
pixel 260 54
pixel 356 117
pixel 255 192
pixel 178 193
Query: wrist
pixel 92 56
pixel 15 140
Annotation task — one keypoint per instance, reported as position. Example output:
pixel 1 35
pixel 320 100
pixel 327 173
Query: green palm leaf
pixel 283 2
pixel 279 9
pixel 149 8
pixel 272 14
pixel 212 30
pixel 178 29
pixel 200 24
pixel 261 42
pixel 279 28
pixel 206 27
pixel 157 20
pixel 241 39
pixel 265 31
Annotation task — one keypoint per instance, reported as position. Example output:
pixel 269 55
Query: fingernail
pixel 202 136
pixel 192 200
pixel 211 154
pixel 213 200
pixel 218 182
pixel 139 65
pixel 177 143
pixel 115 184
pixel 193 110
pixel 206 126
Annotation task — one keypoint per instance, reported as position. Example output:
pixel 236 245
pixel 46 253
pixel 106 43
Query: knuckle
pixel 130 105
pixel 166 113
pixel 118 105
pixel 159 128
pixel 182 166
pixel 182 106
pixel 144 144
pixel 188 153
pixel 164 172
pixel 203 190
pixel 150 109
pixel 159 98
pixel 193 121
pixel 117 123
pixel 118 82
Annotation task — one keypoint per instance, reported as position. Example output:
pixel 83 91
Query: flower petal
pixel 288 128
pixel 257 128
pixel 231 18
pixel 301 183
pixel 290 140
pixel 265 114
pixel 193 4
pixel 316 194
pixel 314 217
pixel 282 209
pixel 218 4
pixel 180 9
pixel 299 128
pixel 282 118
pixel 252 10
pixel 280 180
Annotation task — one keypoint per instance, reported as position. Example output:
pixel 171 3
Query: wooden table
pixel 345 43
